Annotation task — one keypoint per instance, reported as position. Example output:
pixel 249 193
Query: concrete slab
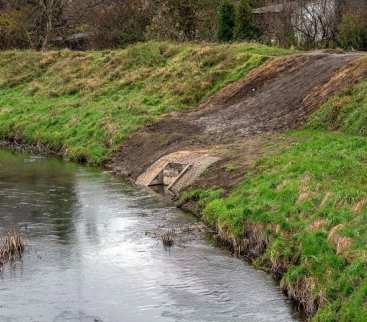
pixel 177 170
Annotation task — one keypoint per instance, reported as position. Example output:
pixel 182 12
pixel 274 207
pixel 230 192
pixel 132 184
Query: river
pixel 92 254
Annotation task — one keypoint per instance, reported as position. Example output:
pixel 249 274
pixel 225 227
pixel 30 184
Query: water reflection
pixel 34 189
pixel 90 257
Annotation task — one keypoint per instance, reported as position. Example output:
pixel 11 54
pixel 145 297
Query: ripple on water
pixel 93 255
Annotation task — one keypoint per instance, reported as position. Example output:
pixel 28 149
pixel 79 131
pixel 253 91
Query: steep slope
pixel 277 96
pixel 83 105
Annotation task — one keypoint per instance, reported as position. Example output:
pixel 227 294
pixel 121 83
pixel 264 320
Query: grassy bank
pixel 84 104
pixel 302 213
pixel 299 213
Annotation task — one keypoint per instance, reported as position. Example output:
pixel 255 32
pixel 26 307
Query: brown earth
pixel 244 120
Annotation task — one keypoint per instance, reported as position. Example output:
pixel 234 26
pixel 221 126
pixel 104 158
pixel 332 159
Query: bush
pixel 184 20
pixel 353 33
pixel 174 20
pixel 226 21
pixel 245 27
pixel 12 26
pixel 117 25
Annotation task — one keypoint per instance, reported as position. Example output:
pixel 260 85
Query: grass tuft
pixel 11 247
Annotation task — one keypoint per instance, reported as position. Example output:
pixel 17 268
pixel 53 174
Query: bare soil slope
pixel 275 97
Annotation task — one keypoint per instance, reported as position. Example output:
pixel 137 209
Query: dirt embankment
pixel 245 115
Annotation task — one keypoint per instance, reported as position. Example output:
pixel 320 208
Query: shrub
pixel 353 32
pixel 226 21
pixel 118 26
pixel 245 27
pixel 174 20
pixel 183 20
pixel 12 26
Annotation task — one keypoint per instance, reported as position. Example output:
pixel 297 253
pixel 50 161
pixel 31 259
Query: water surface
pixel 92 254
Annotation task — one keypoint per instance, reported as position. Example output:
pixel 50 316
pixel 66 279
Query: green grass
pixel 346 112
pixel 308 199
pixel 85 104
pixel 322 177
pixel 305 199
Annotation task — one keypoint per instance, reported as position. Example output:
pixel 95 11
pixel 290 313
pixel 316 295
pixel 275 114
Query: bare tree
pixel 115 23
pixel 315 21
pixel 51 13
pixel 35 20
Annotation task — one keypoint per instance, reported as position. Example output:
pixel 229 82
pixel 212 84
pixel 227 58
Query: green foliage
pixel 245 26
pixel 85 104
pixel 226 21
pixel 353 32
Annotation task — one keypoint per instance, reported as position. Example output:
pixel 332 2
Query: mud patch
pixel 273 98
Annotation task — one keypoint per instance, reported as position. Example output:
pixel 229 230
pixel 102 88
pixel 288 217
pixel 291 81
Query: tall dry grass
pixel 11 247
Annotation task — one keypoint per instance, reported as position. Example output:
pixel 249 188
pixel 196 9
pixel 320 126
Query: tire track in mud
pixel 275 97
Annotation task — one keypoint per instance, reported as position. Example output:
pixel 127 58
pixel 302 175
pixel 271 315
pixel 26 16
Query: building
pixel 353 6
pixel 78 41
pixel 314 20
pixel 277 6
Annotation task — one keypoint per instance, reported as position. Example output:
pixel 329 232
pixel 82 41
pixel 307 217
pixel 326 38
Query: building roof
pixel 79 36
pixel 275 8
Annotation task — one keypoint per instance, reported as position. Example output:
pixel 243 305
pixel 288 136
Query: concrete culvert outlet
pixel 177 170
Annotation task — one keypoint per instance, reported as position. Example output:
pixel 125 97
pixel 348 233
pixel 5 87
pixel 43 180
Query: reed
pixel 168 237
pixel 11 247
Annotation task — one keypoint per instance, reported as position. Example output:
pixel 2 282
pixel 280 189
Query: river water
pixel 93 254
